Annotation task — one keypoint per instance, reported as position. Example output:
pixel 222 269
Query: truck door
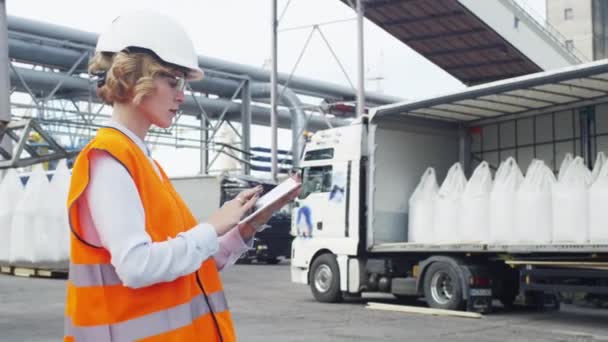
pixel 321 206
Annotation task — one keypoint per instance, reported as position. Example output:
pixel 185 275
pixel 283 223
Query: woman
pixel 141 267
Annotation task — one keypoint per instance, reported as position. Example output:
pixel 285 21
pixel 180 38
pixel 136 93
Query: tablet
pixel 277 194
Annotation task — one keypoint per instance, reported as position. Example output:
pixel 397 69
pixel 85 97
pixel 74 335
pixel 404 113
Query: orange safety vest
pixel 99 307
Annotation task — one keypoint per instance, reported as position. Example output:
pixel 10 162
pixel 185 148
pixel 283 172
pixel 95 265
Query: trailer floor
pixel 267 307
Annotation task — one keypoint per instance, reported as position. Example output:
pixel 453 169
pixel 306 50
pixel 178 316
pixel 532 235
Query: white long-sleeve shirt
pixel 113 216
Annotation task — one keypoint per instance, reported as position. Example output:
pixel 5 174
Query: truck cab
pixel 326 220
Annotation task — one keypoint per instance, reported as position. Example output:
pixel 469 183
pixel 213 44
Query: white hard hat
pixel 153 31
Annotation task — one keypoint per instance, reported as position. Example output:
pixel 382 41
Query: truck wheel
pixel 442 287
pixel 325 279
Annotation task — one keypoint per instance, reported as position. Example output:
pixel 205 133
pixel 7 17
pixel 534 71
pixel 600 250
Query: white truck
pixel 351 218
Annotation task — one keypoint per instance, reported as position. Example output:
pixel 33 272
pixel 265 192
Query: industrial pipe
pixel 79 87
pixel 299 85
pixel 298 118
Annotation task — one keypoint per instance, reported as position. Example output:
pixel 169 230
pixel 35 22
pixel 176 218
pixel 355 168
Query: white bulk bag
pixel 570 202
pixel 598 215
pixel 475 206
pixel 58 213
pixel 502 201
pixel 533 220
pixel 45 239
pixel 565 163
pixel 421 206
pixel 28 238
pixel 600 160
pixel 447 205
pixel 11 191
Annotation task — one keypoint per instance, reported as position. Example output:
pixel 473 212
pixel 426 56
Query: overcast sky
pixel 239 31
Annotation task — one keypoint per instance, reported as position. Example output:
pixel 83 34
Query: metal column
pixel 360 61
pixel 585 120
pixel 204 158
pixel 5 84
pixel 273 92
pixel 465 153
pixel 246 125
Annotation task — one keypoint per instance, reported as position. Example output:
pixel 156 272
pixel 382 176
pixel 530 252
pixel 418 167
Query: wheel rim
pixel 323 278
pixel 441 288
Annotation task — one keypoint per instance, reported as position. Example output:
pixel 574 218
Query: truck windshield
pixel 326 153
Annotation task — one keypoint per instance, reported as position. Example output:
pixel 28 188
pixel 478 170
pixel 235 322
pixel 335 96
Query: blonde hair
pixel 129 76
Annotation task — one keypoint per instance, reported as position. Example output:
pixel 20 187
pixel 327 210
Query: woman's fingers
pixel 250 203
pixel 249 193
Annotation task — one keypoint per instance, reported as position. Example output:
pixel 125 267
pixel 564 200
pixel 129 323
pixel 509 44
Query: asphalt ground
pixel 267 307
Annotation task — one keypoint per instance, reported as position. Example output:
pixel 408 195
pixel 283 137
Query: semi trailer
pixel 351 218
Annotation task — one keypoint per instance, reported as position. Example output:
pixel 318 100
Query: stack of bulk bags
pixel 474 215
pixel 447 205
pixel 503 201
pixel 28 235
pixel 598 213
pixel 570 204
pixel 534 217
pixel 57 213
pixel 11 191
pixel 421 207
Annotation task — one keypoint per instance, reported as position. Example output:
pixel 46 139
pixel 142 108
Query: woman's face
pixel 161 107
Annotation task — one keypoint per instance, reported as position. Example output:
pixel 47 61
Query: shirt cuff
pixel 233 242
pixel 205 238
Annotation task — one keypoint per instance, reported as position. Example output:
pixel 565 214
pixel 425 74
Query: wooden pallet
pixel 34 272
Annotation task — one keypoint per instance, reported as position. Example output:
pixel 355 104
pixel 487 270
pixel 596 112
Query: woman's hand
pixel 232 211
pixel 248 229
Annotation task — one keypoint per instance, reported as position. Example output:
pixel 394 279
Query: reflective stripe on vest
pixel 152 324
pixel 83 275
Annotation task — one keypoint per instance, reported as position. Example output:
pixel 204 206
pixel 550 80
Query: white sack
pixel 447 205
pixel 534 217
pixel 474 219
pixel 502 201
pixel 421 206
pixel 570 201
pixel 28 235
pixel 600 160
pixel 11 191
pixel 565 163
pixel 598 213
pixel 58 213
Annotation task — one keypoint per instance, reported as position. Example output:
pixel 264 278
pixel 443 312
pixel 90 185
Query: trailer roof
pixel 543 92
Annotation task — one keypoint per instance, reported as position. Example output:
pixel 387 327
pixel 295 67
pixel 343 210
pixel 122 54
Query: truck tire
pixel 325 279
pixel 442 287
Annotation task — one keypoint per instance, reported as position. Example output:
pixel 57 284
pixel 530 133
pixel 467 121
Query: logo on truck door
pixel 336 194
pixel 304 221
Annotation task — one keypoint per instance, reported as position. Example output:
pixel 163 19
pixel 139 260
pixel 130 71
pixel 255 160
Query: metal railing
pixel 543 24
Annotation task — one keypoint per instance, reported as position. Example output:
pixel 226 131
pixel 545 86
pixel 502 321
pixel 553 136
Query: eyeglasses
pixel 178 83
